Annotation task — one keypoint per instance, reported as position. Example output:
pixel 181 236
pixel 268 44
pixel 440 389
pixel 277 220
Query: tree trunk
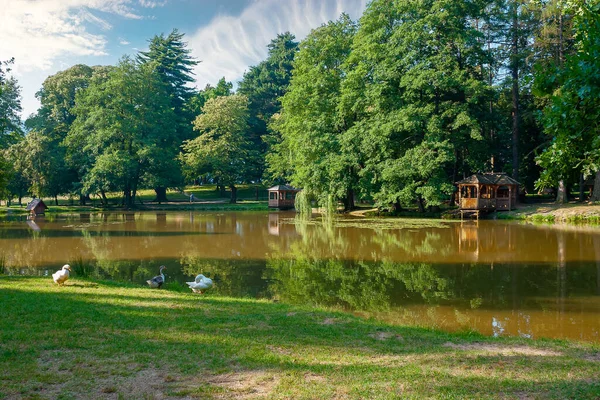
pixel 596 190
pixel 349 200
pixel 420 204
pixel 233 199
pixel 20 201
pixel 256 193
pixel 221 189
pixel 397 207
pixel 82 199
pixel 55 200
pixel 127 195
pixel 161 195
pixel 581 188
pixel 515 93
pixel 103 197
pixel 561 195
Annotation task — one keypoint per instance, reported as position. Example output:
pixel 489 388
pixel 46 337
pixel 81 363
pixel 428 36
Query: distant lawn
pixel 108 340
pixel 204 193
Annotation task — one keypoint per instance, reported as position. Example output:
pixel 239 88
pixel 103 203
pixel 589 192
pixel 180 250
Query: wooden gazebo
pixel 36 207
pixel 282 197
pixel 489 191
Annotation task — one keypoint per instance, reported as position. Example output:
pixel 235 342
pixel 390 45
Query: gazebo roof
pixel 490 178
pixel 34 203
pixel 282 187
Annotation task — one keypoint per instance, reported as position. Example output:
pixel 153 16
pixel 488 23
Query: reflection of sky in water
pixel 497 327
pixel 528 281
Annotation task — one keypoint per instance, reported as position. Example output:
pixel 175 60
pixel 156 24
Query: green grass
pixel 207 198
pixel 93 339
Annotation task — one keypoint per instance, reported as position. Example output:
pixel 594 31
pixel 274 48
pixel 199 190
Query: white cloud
pixel 38 33
pixel 123 42
pixel 229 45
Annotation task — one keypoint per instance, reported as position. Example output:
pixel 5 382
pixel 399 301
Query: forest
pixel 391 109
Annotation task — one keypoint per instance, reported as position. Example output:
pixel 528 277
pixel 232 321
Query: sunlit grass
pixel 92 338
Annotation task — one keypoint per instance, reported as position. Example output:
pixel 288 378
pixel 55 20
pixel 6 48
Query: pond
pixel 497 278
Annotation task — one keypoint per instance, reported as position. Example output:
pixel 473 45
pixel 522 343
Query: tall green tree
pixel 312 153
pixel 222 149
pixel 418 94
pixel 10 106
pixel 572 115
pixel 264 85
pixel 121 123
pixel 174 65
pixel 10 123
pixel 51 124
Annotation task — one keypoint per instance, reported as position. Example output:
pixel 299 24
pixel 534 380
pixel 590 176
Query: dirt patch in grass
pixel 386 336
pixel 279 350
pixel 493 349
pixel 245 384
pixel 58 367
pixel 592 357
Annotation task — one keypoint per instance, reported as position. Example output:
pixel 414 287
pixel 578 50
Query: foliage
pixel 572 114
pixel 171 59
pixel 121 122
pixel 222 148
pixel 415 85
pixel 264 85
pixel 311 134
pixel 10 106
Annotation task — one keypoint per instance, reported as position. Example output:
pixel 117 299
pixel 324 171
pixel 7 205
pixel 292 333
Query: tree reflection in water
pixel 493 277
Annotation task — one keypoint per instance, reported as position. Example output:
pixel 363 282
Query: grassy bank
pixel 552 212
pixel 108 340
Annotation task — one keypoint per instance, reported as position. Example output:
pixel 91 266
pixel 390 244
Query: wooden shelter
pixel 36 207
pixel 282 197
pixel 490 191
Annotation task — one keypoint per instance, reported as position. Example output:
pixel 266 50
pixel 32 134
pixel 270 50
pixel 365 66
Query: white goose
pixel 158 280
pixel 61 276
pixel 200 284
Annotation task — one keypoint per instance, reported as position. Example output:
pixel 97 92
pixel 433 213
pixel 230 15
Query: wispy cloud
pixel 229 45
pixel 123 42
pixel 152 3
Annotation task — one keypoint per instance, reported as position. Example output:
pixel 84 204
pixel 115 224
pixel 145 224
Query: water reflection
pixel 492 277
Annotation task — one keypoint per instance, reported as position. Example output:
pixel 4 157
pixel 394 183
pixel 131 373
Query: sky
pixel 226 36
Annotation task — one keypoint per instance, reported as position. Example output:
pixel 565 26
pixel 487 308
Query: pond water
pixel 497 278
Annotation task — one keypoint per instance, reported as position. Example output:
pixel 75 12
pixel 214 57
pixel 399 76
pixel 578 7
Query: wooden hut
pixel 282 197
pixel 36 207
pixel 489 191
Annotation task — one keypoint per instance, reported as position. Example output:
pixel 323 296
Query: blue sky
pixel 227 36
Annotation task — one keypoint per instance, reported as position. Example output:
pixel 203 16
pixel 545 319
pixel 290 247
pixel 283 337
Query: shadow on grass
pixel 70 341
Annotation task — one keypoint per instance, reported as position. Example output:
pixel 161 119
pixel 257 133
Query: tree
pixel 174 65
pixel 121 122
pixel 415 82
pixel 10 122
pixel 264 85
pixel 572 115
pixel 222 148
pixel 10 107
pixel 51 124
pixel 312 154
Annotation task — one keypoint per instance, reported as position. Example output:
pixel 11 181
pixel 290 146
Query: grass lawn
pixel 108 340
pixel 207 198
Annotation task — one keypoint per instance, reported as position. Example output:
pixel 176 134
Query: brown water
pixel 497 278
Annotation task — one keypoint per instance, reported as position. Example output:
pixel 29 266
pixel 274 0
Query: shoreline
pixel 547 212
